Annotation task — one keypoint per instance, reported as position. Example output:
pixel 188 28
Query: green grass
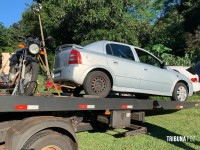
pixel 182 123
pixel 41 87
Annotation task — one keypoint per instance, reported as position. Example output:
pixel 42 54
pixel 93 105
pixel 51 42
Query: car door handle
pixel 115 62
pixel 145 69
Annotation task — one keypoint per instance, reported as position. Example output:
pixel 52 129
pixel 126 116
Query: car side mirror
pixel 163 65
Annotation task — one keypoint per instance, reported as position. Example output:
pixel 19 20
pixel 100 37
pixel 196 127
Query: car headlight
pixel 34 49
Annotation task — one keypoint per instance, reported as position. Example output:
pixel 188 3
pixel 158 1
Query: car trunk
pixel 62 55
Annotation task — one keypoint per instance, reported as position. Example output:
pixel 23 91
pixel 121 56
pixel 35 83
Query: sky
pixel 11 11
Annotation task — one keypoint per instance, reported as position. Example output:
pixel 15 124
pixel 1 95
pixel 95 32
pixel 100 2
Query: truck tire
pixel 48 139
pixel 180 92
pixel 97 83
pixel 31 76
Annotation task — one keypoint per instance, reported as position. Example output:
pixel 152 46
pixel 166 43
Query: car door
pixel 154 77
pixel 121 61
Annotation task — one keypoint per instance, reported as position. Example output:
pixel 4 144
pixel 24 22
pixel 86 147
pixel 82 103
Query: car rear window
pixel 191 70
pixel 118 50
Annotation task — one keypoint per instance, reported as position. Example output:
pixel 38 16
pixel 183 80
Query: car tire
pixel 180 92
pixel 97 83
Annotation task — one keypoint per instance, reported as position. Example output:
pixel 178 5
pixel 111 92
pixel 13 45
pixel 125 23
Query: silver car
pixel 105 66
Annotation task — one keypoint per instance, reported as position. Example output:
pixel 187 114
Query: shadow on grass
pixel 159 112
pixel 156 132
pixel 162 133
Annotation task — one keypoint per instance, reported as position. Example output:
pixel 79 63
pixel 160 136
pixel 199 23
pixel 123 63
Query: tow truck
pixel 51 122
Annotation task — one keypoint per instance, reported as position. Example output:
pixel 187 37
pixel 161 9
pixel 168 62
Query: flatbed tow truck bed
pixel 48 103
pixel 29 122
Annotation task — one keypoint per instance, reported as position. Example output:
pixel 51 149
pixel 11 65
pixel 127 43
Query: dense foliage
pixel 7 39
pixel 168 28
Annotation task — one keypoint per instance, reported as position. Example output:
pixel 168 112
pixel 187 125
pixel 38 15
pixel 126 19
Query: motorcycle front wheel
pixel 31 76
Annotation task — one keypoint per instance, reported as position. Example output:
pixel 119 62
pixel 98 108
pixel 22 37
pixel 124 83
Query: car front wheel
pixel 180 92
pixel 97 83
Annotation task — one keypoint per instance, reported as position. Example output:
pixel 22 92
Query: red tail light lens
pixel 75 57
pixel 194 79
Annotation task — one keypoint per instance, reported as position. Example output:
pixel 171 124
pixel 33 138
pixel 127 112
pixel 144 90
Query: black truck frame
pixel 46 122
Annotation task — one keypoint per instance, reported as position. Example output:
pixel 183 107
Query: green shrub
pixel 172 60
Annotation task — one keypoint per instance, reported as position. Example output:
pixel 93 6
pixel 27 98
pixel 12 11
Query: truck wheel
pixel 48 139
pixel 97 83
pixel 180 92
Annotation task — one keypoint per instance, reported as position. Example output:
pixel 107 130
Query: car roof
pixel 104 42
pixel 99 44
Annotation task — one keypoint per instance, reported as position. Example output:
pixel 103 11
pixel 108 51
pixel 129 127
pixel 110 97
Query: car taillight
pixel 194 79
pixel 75 57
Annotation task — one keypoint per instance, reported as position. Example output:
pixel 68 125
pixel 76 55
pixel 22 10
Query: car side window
pixel 146 58
pixel 108 49
pixel 121 51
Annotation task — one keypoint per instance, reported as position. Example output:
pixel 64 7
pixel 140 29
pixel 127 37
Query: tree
pixel 86 21
pixel 176 27
pixel 3 39
pixel 193 44
pixel 169 31
pixel 190 10
pixel 7 41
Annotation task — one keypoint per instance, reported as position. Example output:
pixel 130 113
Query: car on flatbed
pixel 105 66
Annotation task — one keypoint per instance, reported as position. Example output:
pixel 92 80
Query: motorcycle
pixel 24 65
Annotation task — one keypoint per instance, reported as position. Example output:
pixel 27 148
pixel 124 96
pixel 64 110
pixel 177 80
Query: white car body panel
pixel 183 70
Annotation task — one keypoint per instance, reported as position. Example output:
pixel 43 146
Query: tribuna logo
pixel 180 138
